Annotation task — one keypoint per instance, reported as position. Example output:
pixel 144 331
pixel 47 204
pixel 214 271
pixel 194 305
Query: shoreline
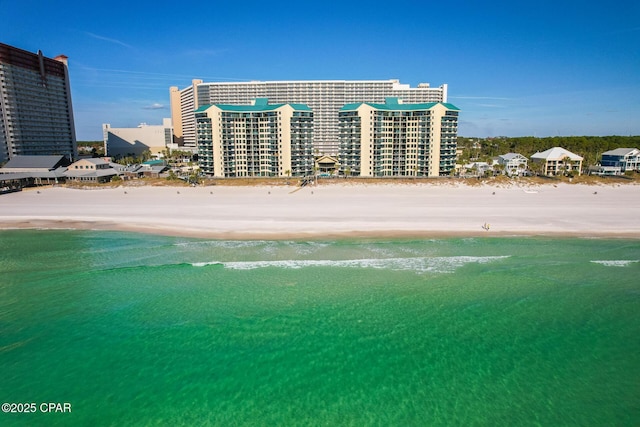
pixel 75 225
pixel 333 212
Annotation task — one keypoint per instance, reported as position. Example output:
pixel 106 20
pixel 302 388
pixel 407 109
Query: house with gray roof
pixel 91 170
pixel 513 163
pixel 149 169
pixel 475 169
pixel 621 160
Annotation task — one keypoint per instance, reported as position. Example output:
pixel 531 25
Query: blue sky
pixel 514 68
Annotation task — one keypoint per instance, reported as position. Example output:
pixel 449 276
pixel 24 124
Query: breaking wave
pixel 616 262
pixel 421 264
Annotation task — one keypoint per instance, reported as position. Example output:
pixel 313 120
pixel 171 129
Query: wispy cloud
pixel 108 39
pixel 481 97
pixel 155 106
pixel 153 75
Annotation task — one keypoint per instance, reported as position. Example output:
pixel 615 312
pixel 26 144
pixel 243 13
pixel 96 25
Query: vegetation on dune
pixel 498 181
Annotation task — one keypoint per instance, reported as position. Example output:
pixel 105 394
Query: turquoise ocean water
pixel 147 330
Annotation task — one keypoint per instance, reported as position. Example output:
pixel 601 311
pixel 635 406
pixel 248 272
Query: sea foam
pixel 419 264
pixel 616 262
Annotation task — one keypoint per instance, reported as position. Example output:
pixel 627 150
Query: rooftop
pixel 260 104
pixel 511 156
pixel 556 153
pixel 394 104
pixel 94 160
pixel 620 152
pixel 35 162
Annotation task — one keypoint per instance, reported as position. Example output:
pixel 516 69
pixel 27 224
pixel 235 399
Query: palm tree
pixel 537 167
pixel 566 160
pixel 194 178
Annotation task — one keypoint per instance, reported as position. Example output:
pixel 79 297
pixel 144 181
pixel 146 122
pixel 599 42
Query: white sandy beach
pixel 329 211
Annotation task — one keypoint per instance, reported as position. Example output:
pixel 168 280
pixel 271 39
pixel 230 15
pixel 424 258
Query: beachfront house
pixel 620 160
pixel 91 170
pixel 514 164
pixel 326 165
pixel 148 169
pixel 557 161
pixel 475 169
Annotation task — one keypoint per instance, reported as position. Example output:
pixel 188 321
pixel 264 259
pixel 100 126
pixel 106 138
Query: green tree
pixel 567 163
pixel 537 167
pixel 194 178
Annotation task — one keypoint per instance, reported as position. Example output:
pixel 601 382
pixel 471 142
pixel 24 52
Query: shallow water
pixel 137 330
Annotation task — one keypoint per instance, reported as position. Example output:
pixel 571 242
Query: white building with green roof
pixel 398 139
pixel 254 140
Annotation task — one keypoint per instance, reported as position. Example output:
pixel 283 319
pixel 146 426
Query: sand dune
pixel 329 211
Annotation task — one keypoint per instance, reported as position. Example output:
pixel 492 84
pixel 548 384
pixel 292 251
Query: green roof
pixel 392 104
pixel 261 104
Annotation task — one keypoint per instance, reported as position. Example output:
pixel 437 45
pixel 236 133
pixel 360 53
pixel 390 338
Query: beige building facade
pixel 558 161
pixel 255 140
pixel 398 139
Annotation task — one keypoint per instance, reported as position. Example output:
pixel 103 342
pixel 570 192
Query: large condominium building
pixel 259 139
pixel 324 97
pixel 398 139
pixel 36 116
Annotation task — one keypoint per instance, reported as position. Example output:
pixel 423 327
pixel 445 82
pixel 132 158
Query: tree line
pixel 588 147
